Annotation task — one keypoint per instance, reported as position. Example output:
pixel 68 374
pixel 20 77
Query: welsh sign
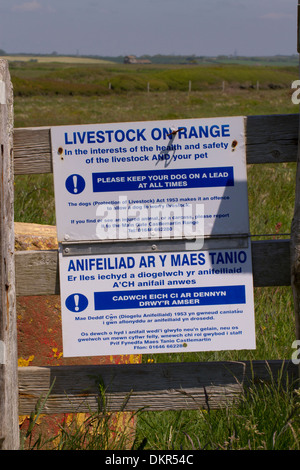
pixel 156 303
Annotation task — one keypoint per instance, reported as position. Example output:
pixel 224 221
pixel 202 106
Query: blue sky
pixel 121 27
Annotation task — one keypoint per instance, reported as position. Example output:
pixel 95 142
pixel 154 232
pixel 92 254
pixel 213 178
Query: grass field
pixel 48 94
pixel 51 78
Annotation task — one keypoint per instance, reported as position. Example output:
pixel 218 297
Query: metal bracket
pixel 2 352
pixel 84 248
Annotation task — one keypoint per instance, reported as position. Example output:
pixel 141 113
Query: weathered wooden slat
pixel 153 386
pixel 271 263
pixel 37 272
pixel 270 139
pixel 32 151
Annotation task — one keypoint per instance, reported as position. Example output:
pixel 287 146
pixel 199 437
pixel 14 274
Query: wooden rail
pixel 131 387
pixel 37 272
pixel 270 139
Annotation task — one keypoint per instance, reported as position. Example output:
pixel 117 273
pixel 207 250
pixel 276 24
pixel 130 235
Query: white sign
pixel 157 303
pixel 160 179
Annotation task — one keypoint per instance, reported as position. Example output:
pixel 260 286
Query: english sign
pixel 111 180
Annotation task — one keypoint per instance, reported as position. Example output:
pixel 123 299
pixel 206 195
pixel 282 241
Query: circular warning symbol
pixel 75 184
pixel 77 303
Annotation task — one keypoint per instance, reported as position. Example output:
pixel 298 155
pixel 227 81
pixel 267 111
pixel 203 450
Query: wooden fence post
pixel 295 251
pixel 9 425
pixel 295 228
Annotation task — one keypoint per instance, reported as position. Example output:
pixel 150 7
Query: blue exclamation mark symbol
pixel 77 302
pixel 75 184
pixel 75 190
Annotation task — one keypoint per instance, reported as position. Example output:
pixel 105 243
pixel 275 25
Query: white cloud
pixel 277 16
pixel 28 6
pixel 32 7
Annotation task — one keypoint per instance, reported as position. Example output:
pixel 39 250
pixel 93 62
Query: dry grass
pixel 54 59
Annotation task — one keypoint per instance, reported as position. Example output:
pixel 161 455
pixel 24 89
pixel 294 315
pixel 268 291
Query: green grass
pixel 49 95
pixel 34 199
pixel 142 106
pixel 265 418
